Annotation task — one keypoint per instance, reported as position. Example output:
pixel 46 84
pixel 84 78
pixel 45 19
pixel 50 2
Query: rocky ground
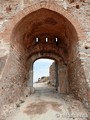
pixel 47 104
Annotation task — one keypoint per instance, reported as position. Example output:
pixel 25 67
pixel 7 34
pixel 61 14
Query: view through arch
pixel 24 48
pixel 45 70
pixel 41 68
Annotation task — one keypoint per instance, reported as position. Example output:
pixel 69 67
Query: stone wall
pixel 52 73
pixel 4 50
pixel 2 63
pixel 83 70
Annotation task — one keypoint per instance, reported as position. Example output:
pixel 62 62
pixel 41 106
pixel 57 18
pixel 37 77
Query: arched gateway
pixel 27 34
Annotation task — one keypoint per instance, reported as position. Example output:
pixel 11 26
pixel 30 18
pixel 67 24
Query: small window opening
pixel 46 39
pixel 56 39
pixel 37 40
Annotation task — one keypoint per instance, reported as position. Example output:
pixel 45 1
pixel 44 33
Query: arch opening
pixel 41 69
pixel 50 30
pixel 49 35
pixel 45 71
pixel 46 33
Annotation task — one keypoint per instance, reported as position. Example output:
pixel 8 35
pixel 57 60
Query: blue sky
pixel 41 68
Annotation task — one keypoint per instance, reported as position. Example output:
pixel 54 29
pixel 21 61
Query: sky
pixel 41 68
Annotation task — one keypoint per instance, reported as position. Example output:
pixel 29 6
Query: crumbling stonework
pixel 43 79
pixel 21 22
pixel 52 73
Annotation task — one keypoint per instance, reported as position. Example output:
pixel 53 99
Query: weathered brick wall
pixel 83 15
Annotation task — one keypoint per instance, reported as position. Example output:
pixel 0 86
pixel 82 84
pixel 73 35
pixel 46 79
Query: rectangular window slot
pixel 46 39
pixel 56 39
pixel 37 40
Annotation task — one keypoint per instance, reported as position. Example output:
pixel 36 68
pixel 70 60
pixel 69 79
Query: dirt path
pixel 47 104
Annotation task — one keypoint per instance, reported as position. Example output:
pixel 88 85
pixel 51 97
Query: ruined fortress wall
pixel 52 73
pixel 80 10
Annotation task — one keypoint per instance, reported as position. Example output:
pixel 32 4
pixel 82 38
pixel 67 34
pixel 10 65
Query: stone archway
pixel 62 79
pixel 42 72
pixel 23 30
